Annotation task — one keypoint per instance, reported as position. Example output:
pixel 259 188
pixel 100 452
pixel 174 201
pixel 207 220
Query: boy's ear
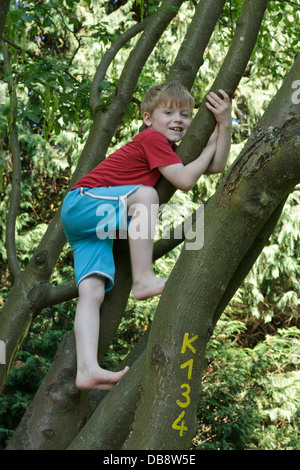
pixel 147 119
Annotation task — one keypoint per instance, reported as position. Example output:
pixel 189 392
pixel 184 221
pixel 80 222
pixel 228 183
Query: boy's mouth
pixel 176 129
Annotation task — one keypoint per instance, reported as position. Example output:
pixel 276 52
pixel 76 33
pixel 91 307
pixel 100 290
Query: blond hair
pixel 164 94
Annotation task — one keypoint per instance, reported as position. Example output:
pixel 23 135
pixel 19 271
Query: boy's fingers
pixel 219 100
pixel 218 105
pixel 213 100
pixel 213 96
pixel 224 94
pixel 210 106
pixel 216 100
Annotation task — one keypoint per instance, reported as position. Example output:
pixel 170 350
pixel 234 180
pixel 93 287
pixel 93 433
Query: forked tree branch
pixel 59 384
pixel 130 389
pixel 236 216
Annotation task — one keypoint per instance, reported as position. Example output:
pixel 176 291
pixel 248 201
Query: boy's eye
pixel 185 114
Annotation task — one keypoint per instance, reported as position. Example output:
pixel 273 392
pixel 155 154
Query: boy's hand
pixel 221 108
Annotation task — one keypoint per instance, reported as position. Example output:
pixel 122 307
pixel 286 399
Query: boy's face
pixel 170 120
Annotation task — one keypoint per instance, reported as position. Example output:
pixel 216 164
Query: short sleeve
pixel 157 149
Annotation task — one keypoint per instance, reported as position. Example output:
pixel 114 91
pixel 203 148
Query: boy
pixel 119 184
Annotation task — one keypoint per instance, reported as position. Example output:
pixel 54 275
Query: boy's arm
pixel 213 158
pixel 221 109
pixel 185 177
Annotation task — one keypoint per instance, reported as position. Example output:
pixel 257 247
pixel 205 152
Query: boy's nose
pixel 177 117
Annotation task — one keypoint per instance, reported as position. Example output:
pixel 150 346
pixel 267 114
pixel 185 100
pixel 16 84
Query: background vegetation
pixel 250 394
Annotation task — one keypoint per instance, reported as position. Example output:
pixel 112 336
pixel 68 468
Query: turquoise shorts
pixel 91 218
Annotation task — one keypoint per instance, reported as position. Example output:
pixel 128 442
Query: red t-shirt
pixel 136 162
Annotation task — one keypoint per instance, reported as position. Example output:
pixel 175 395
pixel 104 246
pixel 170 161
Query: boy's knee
pixel 92 289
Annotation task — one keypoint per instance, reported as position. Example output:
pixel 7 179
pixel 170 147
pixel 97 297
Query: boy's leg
pixel 90 376
pixel 145 283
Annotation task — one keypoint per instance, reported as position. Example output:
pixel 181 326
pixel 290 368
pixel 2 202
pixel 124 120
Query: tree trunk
pixel 258 182
pixel 242 213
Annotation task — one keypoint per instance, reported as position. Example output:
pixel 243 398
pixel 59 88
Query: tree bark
pixel 4 7
pixel 190 55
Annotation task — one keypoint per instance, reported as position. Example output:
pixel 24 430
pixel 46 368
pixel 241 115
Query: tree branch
pixel 190 55
pixel 248 261
pixel 4 7
pixel 106 60
pixel 16 171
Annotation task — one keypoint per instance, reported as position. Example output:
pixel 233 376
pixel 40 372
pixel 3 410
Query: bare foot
pixel 148 287
pixel 99 380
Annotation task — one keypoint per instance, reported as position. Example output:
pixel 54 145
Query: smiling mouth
pixel 176 129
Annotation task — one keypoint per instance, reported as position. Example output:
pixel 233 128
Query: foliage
pixel 274 279
pixel 250 396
